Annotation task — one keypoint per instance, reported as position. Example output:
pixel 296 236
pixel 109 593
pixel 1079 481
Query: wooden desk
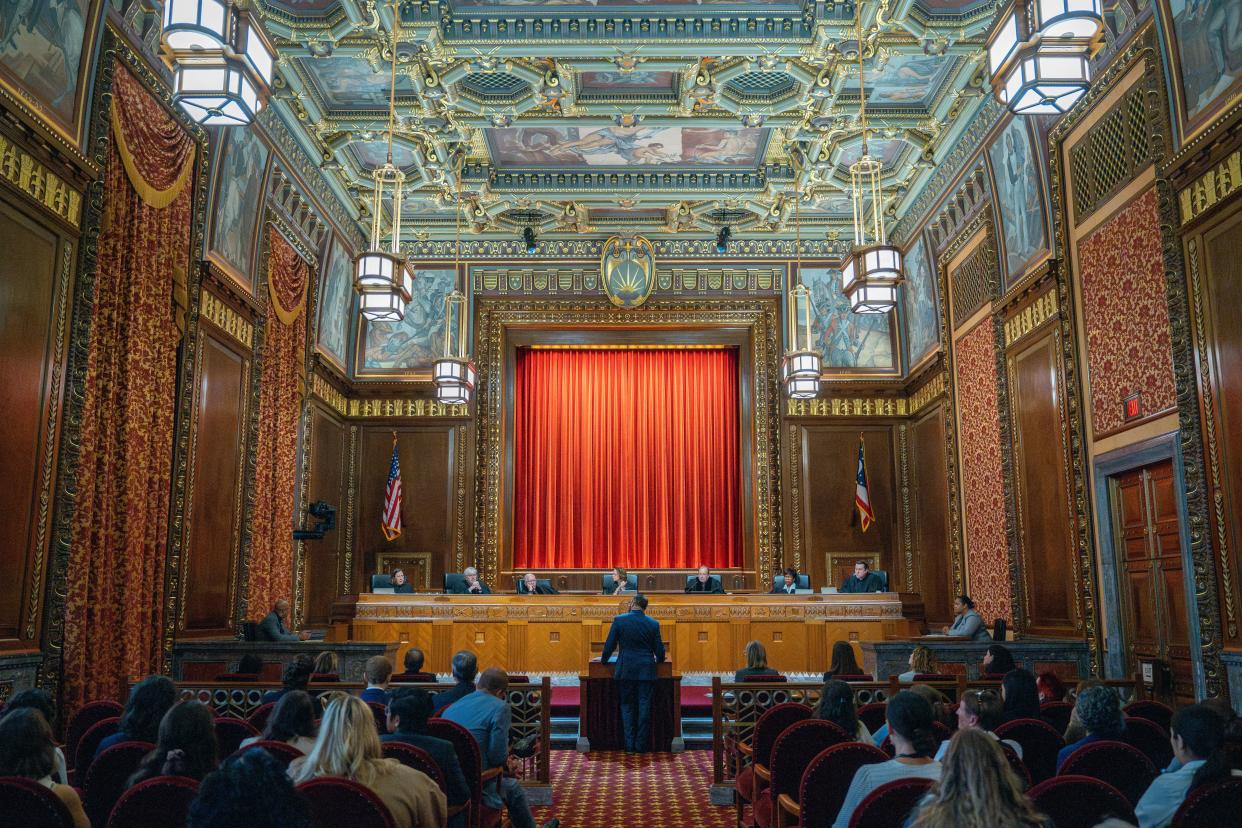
pixel 554 633
pixel 599 710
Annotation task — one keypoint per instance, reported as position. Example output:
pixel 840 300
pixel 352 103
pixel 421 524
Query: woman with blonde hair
pixel 348 745
pixel 977 789
pixel 327 666
pixel 922 662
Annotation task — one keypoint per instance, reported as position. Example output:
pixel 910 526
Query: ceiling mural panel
pixel 904 80
pixel 371 154
pixel 616 83
pixel 614 4
pixel 577 147
pixel 350 83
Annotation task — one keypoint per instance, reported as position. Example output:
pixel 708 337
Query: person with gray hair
pixel 1099 710
pixel 470 584
pixel 465 667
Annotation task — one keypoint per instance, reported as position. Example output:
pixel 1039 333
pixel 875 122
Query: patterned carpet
pixel 601 790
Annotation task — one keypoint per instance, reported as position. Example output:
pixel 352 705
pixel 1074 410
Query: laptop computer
pixel 827 590
pixel 804 592
pixel 384 591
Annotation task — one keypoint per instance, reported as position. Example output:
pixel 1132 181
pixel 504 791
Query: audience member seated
pixel 704 582
pixel 465 667
pixel 979 710
pixel 292 722
pixel 249 790
pixel 1050 687
pixel 327 667
pixel 1099 711
pixel 939 706
pixel 275 625
pixel 400 584
pixel 348 745
pixel 977 789
pixel 250 664
pixel 863 580
pixel 620 582
pixel 836 705
pixel 295 677
pixel 486 714
pixel 1074 730
pixel 843 662
pixel 470 584
pixel 377 670
pixel 150 699
pixel 1020 696
pixel 910 729
pixel 967 623
pixel 922 663
pixel 529 585
pixel 756 663
pixel 409 708
pixel 186 745
pixel 413 665
pixel 997 661
pixel 39 699
pixel 27 750
pixel 787 582
pixel 1199 759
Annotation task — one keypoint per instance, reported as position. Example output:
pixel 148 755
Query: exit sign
pixel 1133 406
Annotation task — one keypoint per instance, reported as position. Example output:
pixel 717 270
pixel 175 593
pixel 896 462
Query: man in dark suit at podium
pixel 636 637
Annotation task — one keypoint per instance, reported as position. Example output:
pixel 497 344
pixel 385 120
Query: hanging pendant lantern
pixel 802 364
pixel 453 373
pixel 1039 54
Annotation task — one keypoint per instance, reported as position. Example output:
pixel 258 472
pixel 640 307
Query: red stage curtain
pixel 280 404
pixel 114 607
pixel 626 458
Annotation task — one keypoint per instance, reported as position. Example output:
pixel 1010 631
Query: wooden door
pixel 1153 587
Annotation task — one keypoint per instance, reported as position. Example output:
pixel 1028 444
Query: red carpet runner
pixel 601 790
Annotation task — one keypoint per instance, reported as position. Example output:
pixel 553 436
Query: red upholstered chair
pixel 1040 745
pixel 87 715
pixel 795 747
pixel 415 757
pixel 825 782
pixel 336 801
pixel 471 758
pixel 1149 737
pixel 159 802
pixel 1016 763
pixel 1120 765
pixel 282 752
pixel 29 804
pixel 380 712
pixel 258 719
pixel 873 715
pixel 106 780
pixel 89 743
pixel 889 804
pixel 1057 714
pixel 1215 804
pixel 1153 711
pixel 1079 801
pixel 230 733
pixel 751 779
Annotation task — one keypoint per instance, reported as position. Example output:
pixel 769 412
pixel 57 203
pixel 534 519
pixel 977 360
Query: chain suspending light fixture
pixel 454 372
pixel 1039 53
pixel 872 272
pixel 382 277
pixel 801 367
pixel 221 60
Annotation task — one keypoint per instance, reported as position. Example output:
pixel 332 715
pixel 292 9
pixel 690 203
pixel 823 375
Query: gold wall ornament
pixel 330 394
pixel 1211 188
pixel 405 408
pixel 628 269
pixel 48 189
pixel 905 406
pixel 226 319
pixel 1031 317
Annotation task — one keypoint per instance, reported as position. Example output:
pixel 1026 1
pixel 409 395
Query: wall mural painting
pixel 1016 175
pixel 846 339
pixel 919 304
pixel 351 83
pixel 42 50
pixel 337 303
pixel 238 192
pixel 905 80
pixel 1207 38
pixel 411 345
pixel 526 147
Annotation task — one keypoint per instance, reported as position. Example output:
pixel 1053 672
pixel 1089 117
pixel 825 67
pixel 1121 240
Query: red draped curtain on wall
pixel 280 404
pixel 114 608
pixel 626 457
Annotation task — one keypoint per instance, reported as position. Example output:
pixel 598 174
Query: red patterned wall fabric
pixel 280 404
pixel 154 151
pixel 114 610
pixel 1126 315
pixel 983 478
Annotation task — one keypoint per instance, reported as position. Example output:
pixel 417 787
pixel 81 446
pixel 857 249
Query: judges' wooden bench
pixel 554 633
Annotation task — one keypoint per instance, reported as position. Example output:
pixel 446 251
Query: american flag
pixel 862 498
pixel 391 522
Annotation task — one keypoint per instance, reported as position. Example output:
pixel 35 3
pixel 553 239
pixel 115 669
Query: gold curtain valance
pixel 157 153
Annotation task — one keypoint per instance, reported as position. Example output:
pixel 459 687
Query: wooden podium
pixel 599 706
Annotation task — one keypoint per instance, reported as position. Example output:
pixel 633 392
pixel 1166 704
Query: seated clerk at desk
pixel 863 580
pixel 470 584
pixel 529 585
pixel 704 582
pixel 789 584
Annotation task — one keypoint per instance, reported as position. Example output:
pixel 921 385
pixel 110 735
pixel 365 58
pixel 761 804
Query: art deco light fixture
pixel 800 369
pixel 221 60
pixel 872 272
pixel 1039 53
pixel 454 373
pixel 382 277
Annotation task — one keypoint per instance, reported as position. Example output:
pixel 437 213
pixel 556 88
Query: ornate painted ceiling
pixel 591 116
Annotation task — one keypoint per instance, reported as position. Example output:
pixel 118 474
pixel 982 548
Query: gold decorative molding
pixel 27 174
pixel 868 406
pixel 929 392
pixel 330 394
pixel 1031 317
pixel 405 408
pixel 1214 186
pixel 226 319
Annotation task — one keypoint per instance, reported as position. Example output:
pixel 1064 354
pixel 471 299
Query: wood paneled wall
pixel 326 559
